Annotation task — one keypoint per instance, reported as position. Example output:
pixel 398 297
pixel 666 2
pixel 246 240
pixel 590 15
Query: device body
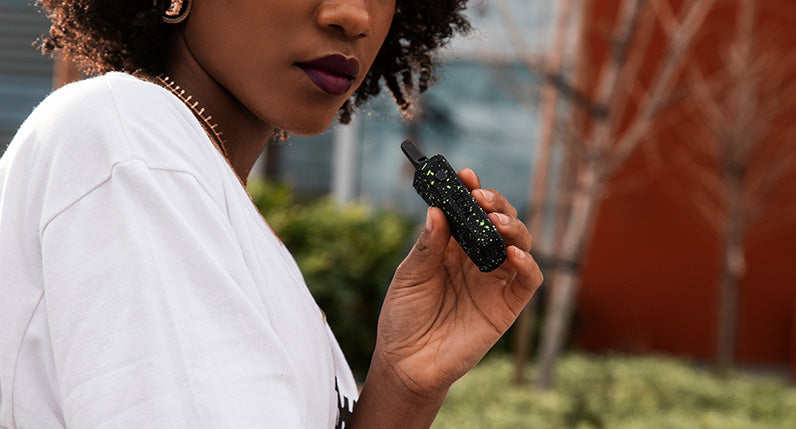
pixel 440 186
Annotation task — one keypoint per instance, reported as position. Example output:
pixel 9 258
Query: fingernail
pixel 486 196
pixel 519 253
pixel 501 218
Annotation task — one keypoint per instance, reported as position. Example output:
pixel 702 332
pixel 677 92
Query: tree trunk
pixel 566 276
pixel 523 336
pixel 556 324
pixel 734 165
pixel 732 269
pixel 538 198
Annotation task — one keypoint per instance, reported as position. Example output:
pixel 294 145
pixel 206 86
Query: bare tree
pixel 541 170
pixel 614 132
pixel 733 168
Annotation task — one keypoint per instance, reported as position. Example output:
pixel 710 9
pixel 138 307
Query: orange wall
pixel 651 274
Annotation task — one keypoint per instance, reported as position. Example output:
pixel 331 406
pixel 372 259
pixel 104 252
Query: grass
pixel 618 392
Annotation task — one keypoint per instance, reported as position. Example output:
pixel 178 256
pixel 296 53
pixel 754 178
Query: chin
pixel 306 125
pixel 306 131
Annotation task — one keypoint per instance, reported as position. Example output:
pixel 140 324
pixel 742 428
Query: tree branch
pixel 681 39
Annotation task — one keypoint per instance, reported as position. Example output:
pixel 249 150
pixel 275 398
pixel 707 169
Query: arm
pixel 441 315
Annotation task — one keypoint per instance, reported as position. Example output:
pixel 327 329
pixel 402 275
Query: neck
pixel 244 135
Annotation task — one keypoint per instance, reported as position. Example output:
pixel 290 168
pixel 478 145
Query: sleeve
pixel 145 292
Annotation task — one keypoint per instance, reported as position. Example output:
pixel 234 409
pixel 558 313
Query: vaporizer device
pixel 440 186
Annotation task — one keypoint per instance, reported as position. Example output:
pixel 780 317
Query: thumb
pixel 426 254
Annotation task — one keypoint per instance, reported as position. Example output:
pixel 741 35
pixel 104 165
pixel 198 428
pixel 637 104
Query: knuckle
pixel 421 245
pixel 503 204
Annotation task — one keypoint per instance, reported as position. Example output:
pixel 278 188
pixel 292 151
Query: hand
pixel 441 314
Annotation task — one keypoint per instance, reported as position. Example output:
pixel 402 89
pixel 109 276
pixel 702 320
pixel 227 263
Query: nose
pixel 348 17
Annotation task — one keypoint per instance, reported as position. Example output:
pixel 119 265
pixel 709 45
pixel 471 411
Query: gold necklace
pixel 206 120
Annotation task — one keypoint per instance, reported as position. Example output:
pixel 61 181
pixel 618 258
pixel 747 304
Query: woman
pixel 141 288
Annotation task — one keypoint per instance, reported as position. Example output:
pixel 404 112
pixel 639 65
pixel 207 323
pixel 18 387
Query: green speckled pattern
pixel 438 184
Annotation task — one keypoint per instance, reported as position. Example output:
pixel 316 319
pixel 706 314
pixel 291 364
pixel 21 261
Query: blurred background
pixel 650 145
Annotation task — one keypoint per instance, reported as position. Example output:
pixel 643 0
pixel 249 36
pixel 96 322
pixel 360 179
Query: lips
pixel 333 74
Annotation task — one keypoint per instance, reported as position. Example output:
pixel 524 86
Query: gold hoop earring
pixel 177 12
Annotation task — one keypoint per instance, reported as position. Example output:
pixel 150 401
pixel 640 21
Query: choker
pixel 211 128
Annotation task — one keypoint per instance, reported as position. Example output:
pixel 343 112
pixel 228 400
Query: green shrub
pixel 618 392
pixel 347 255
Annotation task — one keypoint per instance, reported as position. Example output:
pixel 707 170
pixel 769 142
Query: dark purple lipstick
pixel 333 74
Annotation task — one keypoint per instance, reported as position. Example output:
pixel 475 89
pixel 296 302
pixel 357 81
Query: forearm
pixel 386 402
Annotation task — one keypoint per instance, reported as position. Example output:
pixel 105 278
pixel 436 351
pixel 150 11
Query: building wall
pixel 651 274
pixel 25 74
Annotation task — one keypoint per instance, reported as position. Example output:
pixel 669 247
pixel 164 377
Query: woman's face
pixel 292 63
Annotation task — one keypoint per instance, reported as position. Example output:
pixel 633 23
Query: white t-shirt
pixel 140 287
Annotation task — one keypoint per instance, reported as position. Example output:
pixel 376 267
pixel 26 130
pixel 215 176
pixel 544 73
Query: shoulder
pixel 92 114
pixel 93 103
pixel 72 141
pixel 115 114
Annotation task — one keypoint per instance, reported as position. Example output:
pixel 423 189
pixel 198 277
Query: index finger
pixel 470 179
pixel 493 201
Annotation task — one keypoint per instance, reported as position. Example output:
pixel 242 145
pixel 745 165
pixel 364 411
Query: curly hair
pixel 129 36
